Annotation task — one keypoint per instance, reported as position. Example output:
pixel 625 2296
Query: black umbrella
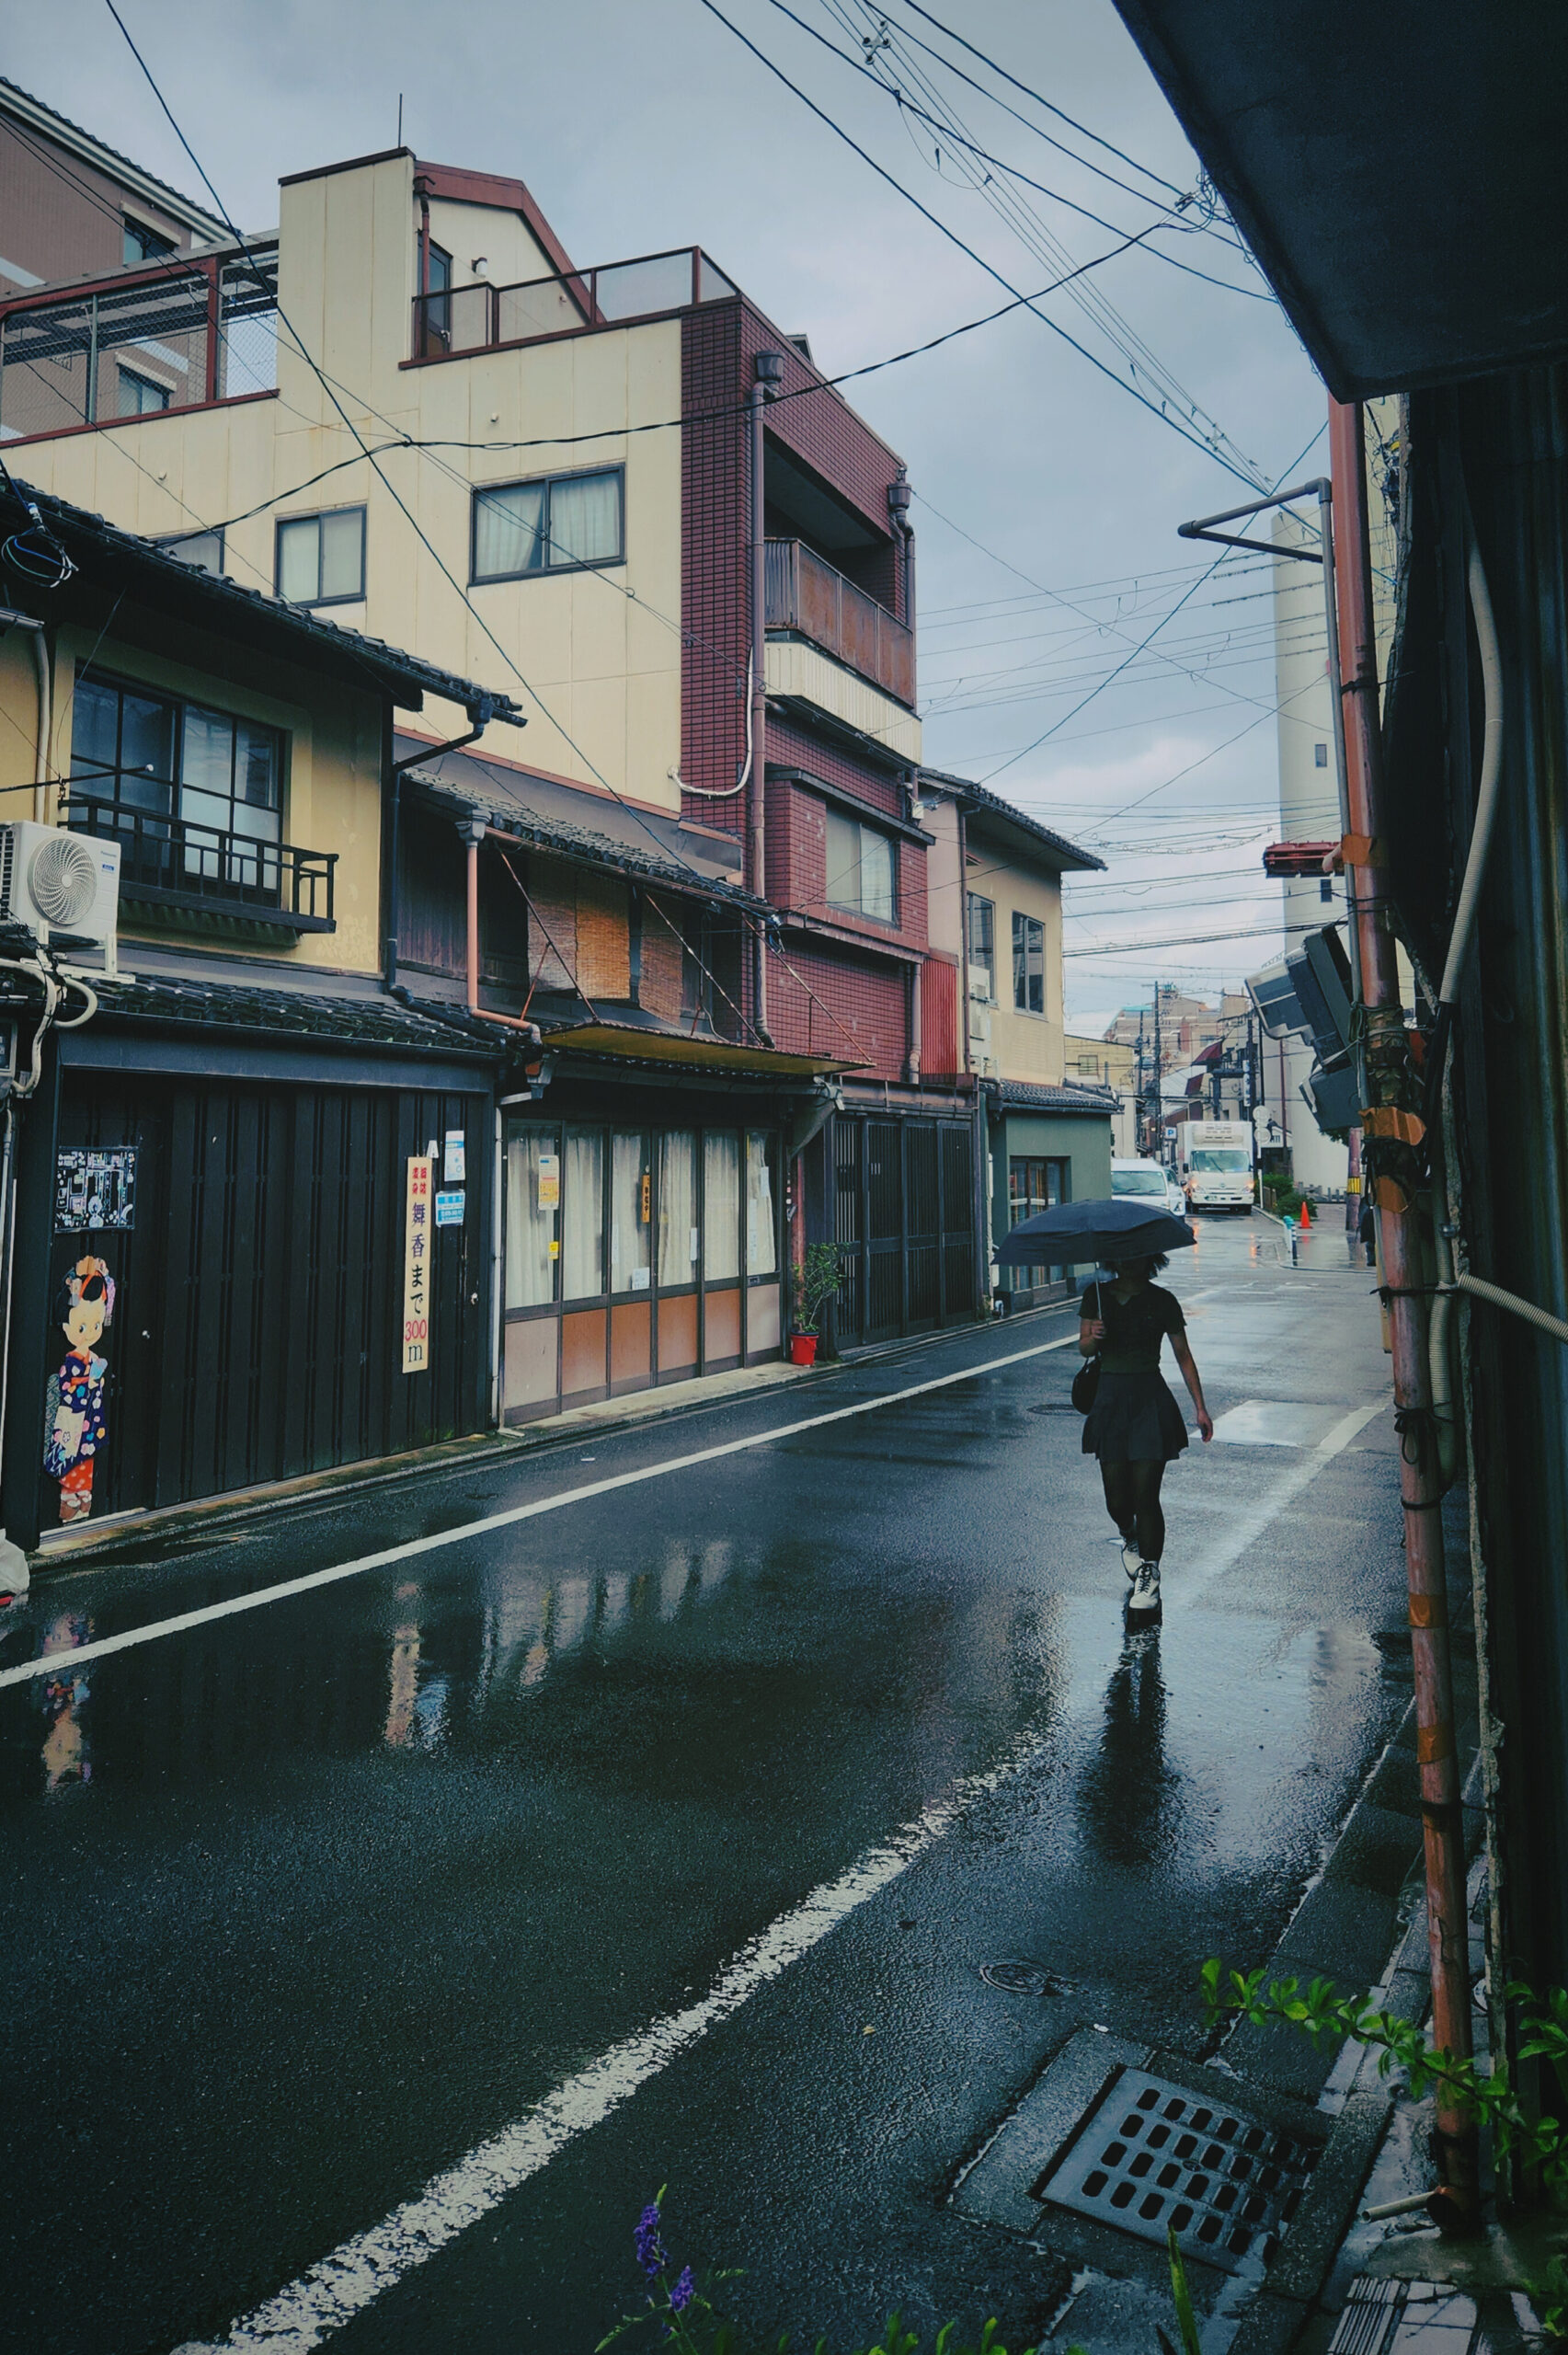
pixel 1071 1233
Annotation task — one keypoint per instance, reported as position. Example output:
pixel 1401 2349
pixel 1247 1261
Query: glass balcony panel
pixel 628 289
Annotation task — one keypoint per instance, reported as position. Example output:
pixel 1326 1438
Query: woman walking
pixel 1135 1427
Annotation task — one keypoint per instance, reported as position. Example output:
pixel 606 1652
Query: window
pixel 1143 1177
pixel 1029 964
pixel 679 1237
pixel 762 1227
pixel 631 1211
pixel 983 948
pixel 151 757
pixel 1321 756
pixel 556 524
pixel 582 1248
pixel 860 868
pixel 437 310
pixel 1035 1183
pixel 1325 888
pixel 321 558
pixel 139 396
pixel 721 1206
pixel 534 1196
pixel 202 550
pixel 143 244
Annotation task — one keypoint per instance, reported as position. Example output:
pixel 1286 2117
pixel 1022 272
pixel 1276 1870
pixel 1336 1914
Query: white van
pixel 1141 1178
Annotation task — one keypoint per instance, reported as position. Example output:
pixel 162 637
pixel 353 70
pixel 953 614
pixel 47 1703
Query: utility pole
pixel 1158 1138
pixel 1138 1092
pixel 1391 1098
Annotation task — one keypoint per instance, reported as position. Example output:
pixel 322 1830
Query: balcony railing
pixel 177 863
pixel 476 319
pixel 171 336
pixel 805 594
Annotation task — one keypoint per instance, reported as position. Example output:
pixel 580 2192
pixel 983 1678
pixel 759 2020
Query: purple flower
pixel 651 2248
pixel 684 2293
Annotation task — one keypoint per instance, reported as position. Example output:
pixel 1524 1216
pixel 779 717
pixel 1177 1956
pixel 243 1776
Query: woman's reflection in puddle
pixel 1129 1797
pixel 65 1754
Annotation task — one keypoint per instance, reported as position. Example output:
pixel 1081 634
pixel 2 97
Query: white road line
pixel 360 2270
pixel 183 1621
pixel 1191 1586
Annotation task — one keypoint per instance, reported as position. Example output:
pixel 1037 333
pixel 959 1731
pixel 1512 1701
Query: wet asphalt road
pixel 303 1905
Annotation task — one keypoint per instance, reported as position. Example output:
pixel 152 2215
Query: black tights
pixel 1132 1500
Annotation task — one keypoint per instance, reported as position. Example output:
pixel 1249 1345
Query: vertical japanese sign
pixel 416 1267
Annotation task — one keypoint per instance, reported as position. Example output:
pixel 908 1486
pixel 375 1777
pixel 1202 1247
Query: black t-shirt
pixel 1134 1328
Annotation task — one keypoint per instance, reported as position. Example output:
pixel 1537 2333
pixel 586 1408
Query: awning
pixel 630 1042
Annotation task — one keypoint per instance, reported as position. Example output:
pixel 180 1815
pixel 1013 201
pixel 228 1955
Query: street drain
pixel 1153 2156
pixel 1023 1979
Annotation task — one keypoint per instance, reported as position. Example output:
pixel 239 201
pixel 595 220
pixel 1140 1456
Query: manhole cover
pixel 1022 1978
pixel 1152 2156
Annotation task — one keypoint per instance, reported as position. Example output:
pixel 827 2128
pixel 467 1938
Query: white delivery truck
pixel 1214 1162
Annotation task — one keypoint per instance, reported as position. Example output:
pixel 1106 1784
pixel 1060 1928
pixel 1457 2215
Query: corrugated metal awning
pixel 630 1042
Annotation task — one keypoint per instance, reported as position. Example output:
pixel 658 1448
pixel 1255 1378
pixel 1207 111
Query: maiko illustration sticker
pixel 74 1421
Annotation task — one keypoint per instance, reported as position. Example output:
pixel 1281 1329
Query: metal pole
pixel 1336 711
pixel 1389 1081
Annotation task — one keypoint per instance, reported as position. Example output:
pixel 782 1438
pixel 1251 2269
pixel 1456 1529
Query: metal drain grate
pixel 1152 2156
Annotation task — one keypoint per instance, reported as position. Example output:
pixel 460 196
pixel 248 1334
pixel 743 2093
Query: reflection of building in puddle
pixel 415 1708
pixel 65 1755
pixel 534 1629
pixel 1128 1796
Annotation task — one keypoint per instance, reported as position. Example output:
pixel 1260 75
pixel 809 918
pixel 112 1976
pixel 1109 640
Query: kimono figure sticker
pixel 74 1407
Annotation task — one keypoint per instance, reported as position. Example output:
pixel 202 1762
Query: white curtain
pixel 585 519
pixel 721 1205
pixel 875 875
pixel 582 1249
pixel 532 1225
pixel 677 1237
pixel 508 534
pixel 630 1230
pixel 761 1232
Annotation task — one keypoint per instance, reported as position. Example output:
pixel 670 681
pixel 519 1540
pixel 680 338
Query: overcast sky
pixel 641 124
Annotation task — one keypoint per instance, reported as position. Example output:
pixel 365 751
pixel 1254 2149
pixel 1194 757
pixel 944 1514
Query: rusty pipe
pixel 474 831
pixel 1389 1081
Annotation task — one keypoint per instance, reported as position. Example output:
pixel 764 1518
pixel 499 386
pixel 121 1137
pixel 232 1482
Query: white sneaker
pixel 1130 1557
pixel 1145 1595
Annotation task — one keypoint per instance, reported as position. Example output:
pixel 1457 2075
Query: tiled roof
pixel 510 810
pixel 980 799
pixel 1027 1096
pixel 213 600
pixel 367 1021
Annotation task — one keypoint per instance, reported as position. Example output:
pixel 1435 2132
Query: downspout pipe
pixel 767 380
pixel 45 670
pixel 1404 1273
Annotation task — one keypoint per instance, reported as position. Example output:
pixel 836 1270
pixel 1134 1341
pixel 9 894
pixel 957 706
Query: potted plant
pixel 815 1280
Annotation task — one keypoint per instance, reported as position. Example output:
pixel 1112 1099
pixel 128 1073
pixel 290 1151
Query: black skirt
pixel 1133 1419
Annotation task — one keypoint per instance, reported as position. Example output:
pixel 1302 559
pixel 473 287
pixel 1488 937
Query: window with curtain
pixel 721 1206
pixel 679 1237
pixel 1029 964
pixel 321 558
pixel 534 1191
pixel 557 523
pixel 631 1211
pixel 762 1227
pixel 861 871
pixel 582 1215
pixel 982 947
pixel 140 395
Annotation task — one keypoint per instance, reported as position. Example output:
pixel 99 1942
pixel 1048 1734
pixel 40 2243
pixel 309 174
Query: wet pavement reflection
pixel 349 1882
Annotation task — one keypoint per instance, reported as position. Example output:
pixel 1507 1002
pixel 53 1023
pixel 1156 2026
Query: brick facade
pixel 835 1002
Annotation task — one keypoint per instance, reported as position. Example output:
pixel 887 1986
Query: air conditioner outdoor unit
pixel 980 1026
pixel 52 881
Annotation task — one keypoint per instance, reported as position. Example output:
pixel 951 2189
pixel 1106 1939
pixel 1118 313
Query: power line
pixel 1196 440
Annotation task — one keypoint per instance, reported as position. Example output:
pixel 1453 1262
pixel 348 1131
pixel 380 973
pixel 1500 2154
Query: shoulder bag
pixel 1086 1381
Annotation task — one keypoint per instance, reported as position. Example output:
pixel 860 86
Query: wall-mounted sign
pixel 454 1160
pixel 449 1209
pixel 416 1266
pixel 95 1186
pixel 549 1181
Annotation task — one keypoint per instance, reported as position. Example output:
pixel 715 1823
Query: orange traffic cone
pixel 1306 1214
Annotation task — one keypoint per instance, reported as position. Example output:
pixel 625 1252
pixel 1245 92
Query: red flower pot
pixel 803 1348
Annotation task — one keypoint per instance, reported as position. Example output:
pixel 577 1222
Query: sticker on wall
pixel 455 1159
pixel 416 1267
pixel 74 1424
pixel 549 1181
pixel 95 1186
pixel 449 1209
